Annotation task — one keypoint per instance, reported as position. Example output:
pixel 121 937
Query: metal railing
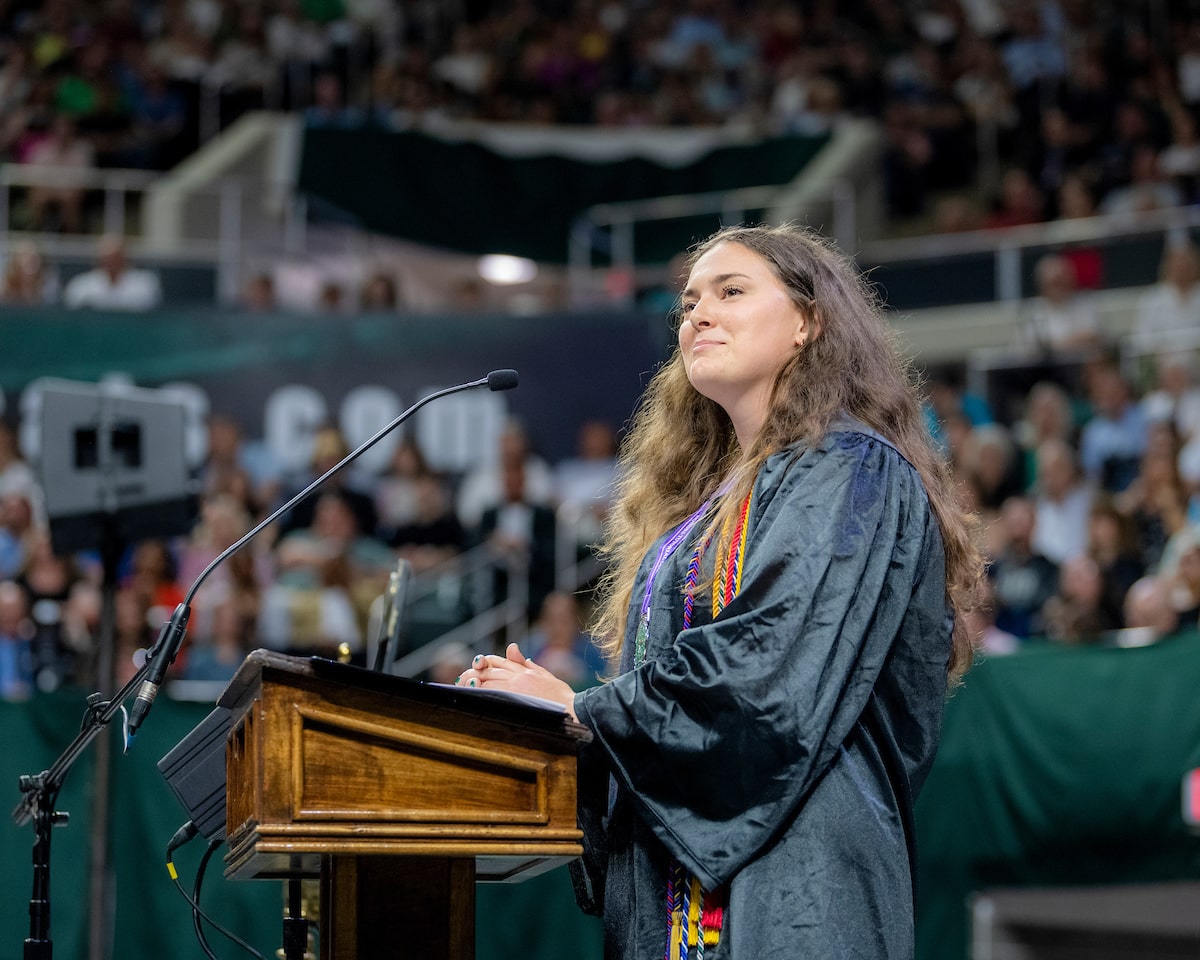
pixel 123 196
pixel 1008 246
pixel 608 229
pixel 508 615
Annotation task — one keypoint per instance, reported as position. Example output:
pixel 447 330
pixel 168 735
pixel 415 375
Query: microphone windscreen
pixel 502 379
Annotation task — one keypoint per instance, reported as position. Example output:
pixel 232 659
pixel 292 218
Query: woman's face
pixel 739 326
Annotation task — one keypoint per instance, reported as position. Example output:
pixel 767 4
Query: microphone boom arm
pixel 170 639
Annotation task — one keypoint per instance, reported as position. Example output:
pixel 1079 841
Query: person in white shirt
pixel 1063 504
pixel 1060 318
pixel 1168 314
pixel 112 284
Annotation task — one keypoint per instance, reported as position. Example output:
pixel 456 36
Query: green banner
pixel 1057 767
pixel 436 192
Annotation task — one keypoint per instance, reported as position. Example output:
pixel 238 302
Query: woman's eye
pixel 687 307
pixel 731 291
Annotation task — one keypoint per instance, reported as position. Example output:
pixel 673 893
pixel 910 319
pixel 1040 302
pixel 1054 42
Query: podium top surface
pixel 491 704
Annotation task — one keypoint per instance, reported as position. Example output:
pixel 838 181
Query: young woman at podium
pixel 788 572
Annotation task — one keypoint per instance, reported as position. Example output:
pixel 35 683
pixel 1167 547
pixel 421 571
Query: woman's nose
pixel 698 315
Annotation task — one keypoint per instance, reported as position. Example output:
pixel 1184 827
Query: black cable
pixel 185 833
pixel 197 925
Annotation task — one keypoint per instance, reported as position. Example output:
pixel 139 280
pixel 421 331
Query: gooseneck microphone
pixel 170 638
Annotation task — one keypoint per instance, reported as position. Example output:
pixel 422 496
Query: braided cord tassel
pixel 684 915
pixel 674 925
pixel 696 918
pixel 691 920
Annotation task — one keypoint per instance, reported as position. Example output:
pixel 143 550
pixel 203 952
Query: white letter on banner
pixel 290 419
pixel 30 405
pixel 366 411
pixel 461 431
pixel 195 419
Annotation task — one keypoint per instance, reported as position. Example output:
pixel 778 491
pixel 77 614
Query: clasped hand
pixel 518 674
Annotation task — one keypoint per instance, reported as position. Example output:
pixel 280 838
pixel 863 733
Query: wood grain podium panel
pixel 399 795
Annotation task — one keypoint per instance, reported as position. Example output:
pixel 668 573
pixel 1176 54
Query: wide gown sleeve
pixel 721 736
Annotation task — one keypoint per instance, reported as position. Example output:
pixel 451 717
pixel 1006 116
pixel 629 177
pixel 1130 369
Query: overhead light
pixel 504 270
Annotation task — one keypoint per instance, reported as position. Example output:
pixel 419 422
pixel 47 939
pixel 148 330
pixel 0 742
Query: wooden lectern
pixel 398 795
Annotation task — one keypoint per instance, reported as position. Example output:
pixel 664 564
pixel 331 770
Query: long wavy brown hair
pixel 681 446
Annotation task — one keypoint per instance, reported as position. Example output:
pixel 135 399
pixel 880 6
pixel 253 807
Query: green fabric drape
pixel 435 189
pixel 1057 766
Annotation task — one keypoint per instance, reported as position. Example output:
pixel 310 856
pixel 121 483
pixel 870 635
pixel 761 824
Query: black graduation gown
pixel 779 748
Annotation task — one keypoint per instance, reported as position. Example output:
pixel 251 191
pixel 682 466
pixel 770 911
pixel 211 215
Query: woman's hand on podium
pixel 516 673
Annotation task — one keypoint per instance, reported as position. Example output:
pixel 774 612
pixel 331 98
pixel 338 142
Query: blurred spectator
pixel 416 510
pixel 983 87
pixel 1130 132
pixel 235 583
pixel 61 651
pixel 1157 504
pixel 329 449
pixel 1175 400
pixel 62 159
pixel 1076 613
pixel 217 655
pixel 432 535
pixel 1020 202
pixel 1185 584
pixel 1113 440
pixel 908 156
pixel 328 107
pixel 1060 318
pixel 1075 199
pixel 1053 155
pixel 1034 52
pixel 395 490
pixel 379 293
pixel 558 643
pixel 520 535
pixel 258 294
pixel 17 533
pixel 1149 608
pixel 154 578
pixel 584 483
pixel 1180 161
pixel 1172 306
pixel 113 284
pixel 16 476
pixel 951 411
pixel 16 660
pixel 989 464
pixel 1112 545
pixel 331 298
pixel 484 485
pixel 1048 416
pixel 157 117
pixel 981 624
pixel 1148 189
pixel 238 469
pixel 1022 578
pixel 956 214
pixel 329 572
pixel 133 635
pixel 1063 503
pixel 27 279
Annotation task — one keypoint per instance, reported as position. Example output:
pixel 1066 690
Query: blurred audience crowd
pixel 1055 108
pixel 312 582
pixel 1090 501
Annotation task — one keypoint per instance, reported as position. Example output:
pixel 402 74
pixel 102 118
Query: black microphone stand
pixel 40 791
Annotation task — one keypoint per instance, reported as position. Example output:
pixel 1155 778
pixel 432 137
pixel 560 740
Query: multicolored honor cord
pixel 669 546
pixel 695 916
